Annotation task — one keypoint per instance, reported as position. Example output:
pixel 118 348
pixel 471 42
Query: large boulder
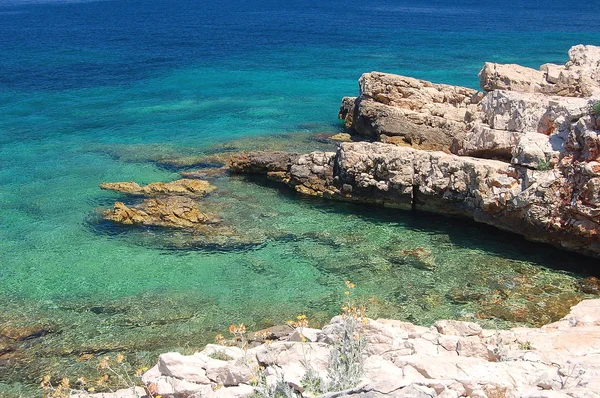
pixel 579 77
pixel 405 110
pixel 518 101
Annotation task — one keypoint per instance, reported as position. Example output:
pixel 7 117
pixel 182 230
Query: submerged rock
pixel 14 332
pixel 205 173
pixel 341 137
pixel 418 257
pixel 186 187
pixel 590 285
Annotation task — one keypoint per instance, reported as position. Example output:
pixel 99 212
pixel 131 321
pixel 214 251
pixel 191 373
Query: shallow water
pixel 94 91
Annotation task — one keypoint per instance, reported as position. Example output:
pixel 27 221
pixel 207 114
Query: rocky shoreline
pixel 519 157
pixel 448 359
pixel 522 155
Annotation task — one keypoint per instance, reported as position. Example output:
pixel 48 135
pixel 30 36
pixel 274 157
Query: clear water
pixel 94 91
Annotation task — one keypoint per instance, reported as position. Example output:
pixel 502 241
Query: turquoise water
pixel 125 90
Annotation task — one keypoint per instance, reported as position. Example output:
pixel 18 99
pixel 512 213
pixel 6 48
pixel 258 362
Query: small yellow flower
pixel 64 383
pixel 346 293
pixel 350 285
pixel 301 317
pixel 103 379
pixel 103 364
pixel 45 383
pixel 91 389
pixel 237 329
pixel 120 358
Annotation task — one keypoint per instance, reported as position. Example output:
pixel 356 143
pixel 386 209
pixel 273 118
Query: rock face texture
pixel 579 77
pixel 185 187
pixel 557 206
pixel 524 161
pixel 503 122
pixel 399 109
pixel 449 359
pixel 172 212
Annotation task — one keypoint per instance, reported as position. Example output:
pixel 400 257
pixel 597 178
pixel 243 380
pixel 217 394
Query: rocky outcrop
pixel 172 212
pixel 528 162
pixel 394 108
pixel 448 359
pixel 579 77
pixel 557 206
pixel 506 122
pixel 196 227
pixel 185 187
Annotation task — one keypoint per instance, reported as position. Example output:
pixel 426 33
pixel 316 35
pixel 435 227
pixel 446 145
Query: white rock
pixel 137 392
pixel 184 367
pixel 232 352
pixel 473 346
pixel 305 334
pixel 458 328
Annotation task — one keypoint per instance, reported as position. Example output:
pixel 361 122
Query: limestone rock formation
pixel 558 206
pixel 172 212
pixel 579 77
pixel 449 359
pixel 186 187
pixel 524 116
pixel 416 112
pixel 528 162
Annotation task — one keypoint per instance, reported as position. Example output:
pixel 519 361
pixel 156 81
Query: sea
pixel 132 90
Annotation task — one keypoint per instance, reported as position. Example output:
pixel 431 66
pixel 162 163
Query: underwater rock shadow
pixel 461 232
pixel 170 240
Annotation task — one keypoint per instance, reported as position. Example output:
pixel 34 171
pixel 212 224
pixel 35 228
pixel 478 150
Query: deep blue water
pixel 94 91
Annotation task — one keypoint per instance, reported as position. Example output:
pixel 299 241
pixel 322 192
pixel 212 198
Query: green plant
pixel 263 389
pixel 346 358
pixel 311 381
pixel 544 165
pixel 346 363
pixel 525 345
pixel 220 356
pixel 596 108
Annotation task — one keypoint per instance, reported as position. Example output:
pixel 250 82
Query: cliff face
pixel 523 160
pixel 504 121
pixel 396 109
